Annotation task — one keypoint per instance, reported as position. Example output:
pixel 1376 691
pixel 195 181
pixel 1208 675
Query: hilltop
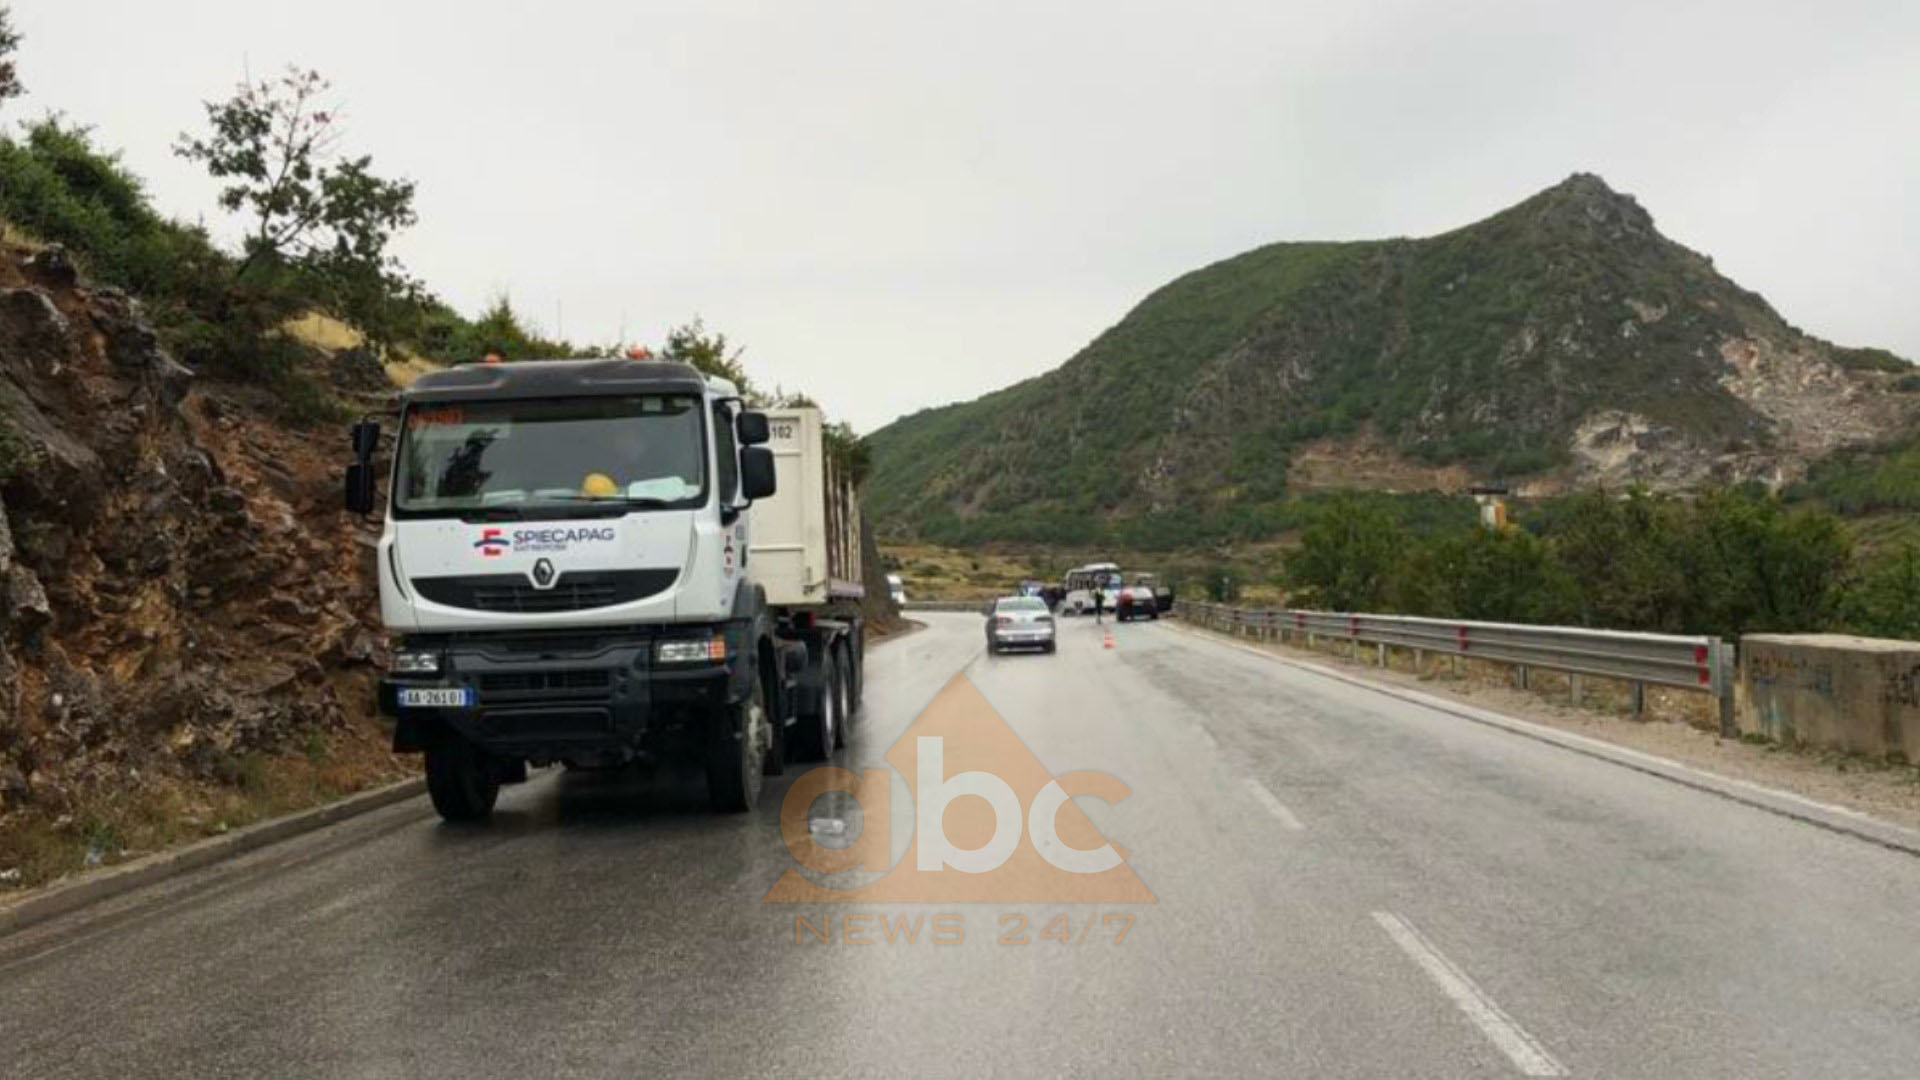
pixel 1561 343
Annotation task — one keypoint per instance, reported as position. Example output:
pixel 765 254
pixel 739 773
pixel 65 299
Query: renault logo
pixel 543 574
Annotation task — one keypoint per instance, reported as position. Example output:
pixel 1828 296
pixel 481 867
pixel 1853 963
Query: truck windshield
pixel 561 457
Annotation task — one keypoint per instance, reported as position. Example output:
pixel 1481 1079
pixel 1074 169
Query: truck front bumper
pixel 555 697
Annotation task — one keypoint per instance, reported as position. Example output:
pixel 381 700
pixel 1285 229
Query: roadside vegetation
pixel 1726 562
pixel 318 222
pixel 318 225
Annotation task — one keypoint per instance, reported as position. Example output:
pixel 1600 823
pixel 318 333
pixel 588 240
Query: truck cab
pixel 566 569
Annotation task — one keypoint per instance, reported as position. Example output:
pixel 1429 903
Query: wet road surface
pixel 1344 885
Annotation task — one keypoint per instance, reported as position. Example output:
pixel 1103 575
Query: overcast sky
pixel 898 204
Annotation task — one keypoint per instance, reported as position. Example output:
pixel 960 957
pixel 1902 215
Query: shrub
pixel 1885 602
pixel 1347 558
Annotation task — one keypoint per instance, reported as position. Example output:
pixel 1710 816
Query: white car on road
pixel 1019 622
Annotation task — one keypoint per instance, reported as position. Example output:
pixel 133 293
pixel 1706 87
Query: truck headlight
pixel 416 663
pixel 690 650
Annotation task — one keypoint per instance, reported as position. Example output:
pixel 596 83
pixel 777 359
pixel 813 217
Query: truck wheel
pixel 737 751
pixel 461 781
pixel 814 737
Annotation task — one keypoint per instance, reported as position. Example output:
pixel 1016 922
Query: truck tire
pixel 737 751
pixel 844 677
pixel 461 781
pixel 816 736
pixel 856 673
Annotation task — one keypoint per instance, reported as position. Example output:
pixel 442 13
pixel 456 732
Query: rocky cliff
pixel 184 608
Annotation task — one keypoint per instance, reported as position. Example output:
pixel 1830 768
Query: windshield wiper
pixel 566 504
pixel 636 501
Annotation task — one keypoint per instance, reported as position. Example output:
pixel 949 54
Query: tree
pixel 1494 575
pixel 1886 600
pixel 1750 565
pixel 1347 557
pixel 1622 553
pixel 707 351
pixel 9 41
pixel 324 218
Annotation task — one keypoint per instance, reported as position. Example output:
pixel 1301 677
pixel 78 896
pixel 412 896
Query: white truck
pixel 596 562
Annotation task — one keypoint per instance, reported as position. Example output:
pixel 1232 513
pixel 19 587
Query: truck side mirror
pixel 366 439
pixel 359 493
pixel 359 478
pixel 751 429
pixel 757 479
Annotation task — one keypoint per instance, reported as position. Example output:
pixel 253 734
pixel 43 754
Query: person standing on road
pixel 1099 603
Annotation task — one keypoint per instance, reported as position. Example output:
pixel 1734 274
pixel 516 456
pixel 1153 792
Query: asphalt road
pixel 1345 885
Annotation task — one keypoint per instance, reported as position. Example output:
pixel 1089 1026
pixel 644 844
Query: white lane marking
pixel 1274 806
pixel 1527 1054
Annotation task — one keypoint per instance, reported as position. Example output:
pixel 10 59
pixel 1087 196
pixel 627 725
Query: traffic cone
pixel 1109 639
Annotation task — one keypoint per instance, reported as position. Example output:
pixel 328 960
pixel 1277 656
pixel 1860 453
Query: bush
pixel 56 185
pixel 441 334
pixel 1348 558
pixel 1885 602
pixel 1507 575
pixel 59 187
pixel 1866 481
pixel 1870 360
pixel 1727 563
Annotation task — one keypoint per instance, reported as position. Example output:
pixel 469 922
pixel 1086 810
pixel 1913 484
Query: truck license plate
pixel 453 697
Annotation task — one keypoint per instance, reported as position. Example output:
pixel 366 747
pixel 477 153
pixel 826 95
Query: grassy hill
pixel 1561 342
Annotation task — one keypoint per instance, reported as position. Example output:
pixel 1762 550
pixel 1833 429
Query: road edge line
pixel 1500 1028
pixel 1840 819
pixel 70 895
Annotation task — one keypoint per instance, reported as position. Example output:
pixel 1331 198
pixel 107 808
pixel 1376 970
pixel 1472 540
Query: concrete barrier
pixel 1831 690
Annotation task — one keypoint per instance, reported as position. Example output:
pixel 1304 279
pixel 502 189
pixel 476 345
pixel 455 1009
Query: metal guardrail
pixel 1703 664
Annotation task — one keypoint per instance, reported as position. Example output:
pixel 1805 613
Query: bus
pixel 1081 581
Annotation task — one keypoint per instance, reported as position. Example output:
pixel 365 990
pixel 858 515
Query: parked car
pixel 1136 602
pixel 1019 622
pixel 1162 594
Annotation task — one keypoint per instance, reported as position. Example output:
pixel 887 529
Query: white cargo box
pixel 803 544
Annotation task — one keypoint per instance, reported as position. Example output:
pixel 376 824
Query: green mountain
pixel 1559 343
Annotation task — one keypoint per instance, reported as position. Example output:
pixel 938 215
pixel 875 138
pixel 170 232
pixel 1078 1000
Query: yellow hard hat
pixel 599 486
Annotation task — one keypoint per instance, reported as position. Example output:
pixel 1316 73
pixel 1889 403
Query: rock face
pixel 177 588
